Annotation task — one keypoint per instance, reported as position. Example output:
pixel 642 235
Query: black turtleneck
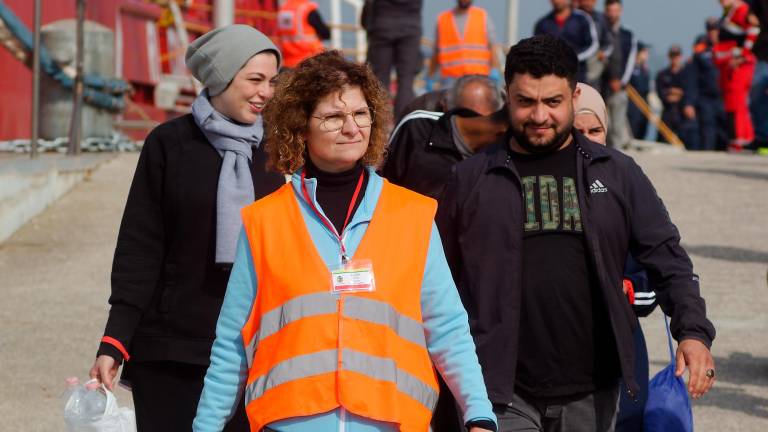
pixel 335 190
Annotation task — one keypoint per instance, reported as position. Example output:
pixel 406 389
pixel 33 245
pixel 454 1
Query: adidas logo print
pixel 597 187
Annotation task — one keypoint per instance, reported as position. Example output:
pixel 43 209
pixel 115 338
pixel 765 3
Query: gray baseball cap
pixel 215 57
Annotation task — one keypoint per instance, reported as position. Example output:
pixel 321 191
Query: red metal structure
pixel 146 48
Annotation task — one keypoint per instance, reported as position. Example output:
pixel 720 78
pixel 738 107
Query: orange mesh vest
pixel 311 351
pixel 296 38
pixel 465 54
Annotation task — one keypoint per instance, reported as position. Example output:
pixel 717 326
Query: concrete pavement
pixel 54 280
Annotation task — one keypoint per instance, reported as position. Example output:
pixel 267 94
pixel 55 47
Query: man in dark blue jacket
pixel 704 91
pixel 536 230
pixel 621 63
pixel 595 65
pixel 641 81
pixel 677 94
pixel 575 27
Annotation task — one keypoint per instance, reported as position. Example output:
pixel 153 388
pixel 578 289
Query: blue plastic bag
pixel 668 408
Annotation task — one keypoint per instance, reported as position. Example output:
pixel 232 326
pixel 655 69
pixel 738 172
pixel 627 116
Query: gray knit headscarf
pixel 214 59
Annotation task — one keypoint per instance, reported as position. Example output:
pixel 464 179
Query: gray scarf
pixel 235 191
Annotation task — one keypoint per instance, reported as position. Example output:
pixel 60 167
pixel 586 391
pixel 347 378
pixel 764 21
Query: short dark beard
pixel 557 141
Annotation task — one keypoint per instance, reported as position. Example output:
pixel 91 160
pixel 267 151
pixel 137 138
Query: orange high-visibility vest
pixel 465 54
pixel 311 351
pixel 296 38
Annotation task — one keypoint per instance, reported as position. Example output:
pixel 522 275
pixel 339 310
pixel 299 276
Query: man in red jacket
pixel 736 62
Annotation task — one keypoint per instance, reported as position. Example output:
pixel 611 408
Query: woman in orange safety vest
pixel 341 304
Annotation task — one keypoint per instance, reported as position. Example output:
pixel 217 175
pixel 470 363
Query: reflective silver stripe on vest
pixel 385 369
pixel 250 351
pixel 465 62
pixel 292 369
pixel 378 368
pixel 461 47
pixel 295 309
pixel 382 313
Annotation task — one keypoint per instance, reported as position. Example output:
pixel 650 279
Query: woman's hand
pixel 478 429
pixel 104 370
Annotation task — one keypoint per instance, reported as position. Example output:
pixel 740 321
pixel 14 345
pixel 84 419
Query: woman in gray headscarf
pixel 178 234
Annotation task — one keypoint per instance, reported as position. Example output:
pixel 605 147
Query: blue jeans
pixel 758 97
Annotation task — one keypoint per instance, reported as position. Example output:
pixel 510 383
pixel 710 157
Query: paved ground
pixel 55 283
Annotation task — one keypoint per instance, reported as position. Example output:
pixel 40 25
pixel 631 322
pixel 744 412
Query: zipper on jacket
pixel 593 249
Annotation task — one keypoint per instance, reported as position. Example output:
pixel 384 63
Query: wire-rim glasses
pixel 334 122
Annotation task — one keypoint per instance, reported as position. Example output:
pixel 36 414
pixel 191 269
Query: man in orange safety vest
pixel 464 39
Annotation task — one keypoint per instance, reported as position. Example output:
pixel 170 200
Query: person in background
pixel 679 112
pixel 328 322
pixel 641 81
pixel 736 62
pixel 478 93
pixel 394 41
pixel 300 31
pixel 617 75
pixel 536 230
pixel 434 101
pixel 591 120
pixel 703 85
pixel 464 44
pixel 758 97
pixel 591 115
pixel 596 64
pixel 425 145
pixel 177 239
pixel 574 26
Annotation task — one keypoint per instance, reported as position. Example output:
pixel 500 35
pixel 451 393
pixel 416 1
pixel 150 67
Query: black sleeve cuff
pixel 110 350
pixel 483 423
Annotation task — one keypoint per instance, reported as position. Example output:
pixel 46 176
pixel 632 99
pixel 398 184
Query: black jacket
pixel 392 18
pixel 481 220
pixel 166 289
pixel 421 152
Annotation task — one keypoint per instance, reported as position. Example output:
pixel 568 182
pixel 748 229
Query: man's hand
pixel 689 112
pixel 696 356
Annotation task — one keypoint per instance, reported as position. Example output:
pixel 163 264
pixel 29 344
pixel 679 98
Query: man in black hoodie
pixel 536 230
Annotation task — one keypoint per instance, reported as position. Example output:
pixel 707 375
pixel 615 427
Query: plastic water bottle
pixel 94 402
pixel 72 385
pixel 84 405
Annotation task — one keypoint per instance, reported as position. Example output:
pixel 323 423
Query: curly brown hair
pixel 287 115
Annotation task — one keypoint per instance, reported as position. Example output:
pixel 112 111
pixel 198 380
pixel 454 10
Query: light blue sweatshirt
pixel 446 328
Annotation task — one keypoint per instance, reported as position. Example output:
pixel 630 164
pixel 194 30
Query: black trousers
pixel 404 54
pixel 165 396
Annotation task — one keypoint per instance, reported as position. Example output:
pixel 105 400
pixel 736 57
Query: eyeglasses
pixel 363 118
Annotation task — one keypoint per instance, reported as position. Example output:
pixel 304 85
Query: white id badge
pixel 353 276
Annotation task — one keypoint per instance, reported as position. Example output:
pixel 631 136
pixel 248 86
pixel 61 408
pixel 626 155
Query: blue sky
pixel 658 22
